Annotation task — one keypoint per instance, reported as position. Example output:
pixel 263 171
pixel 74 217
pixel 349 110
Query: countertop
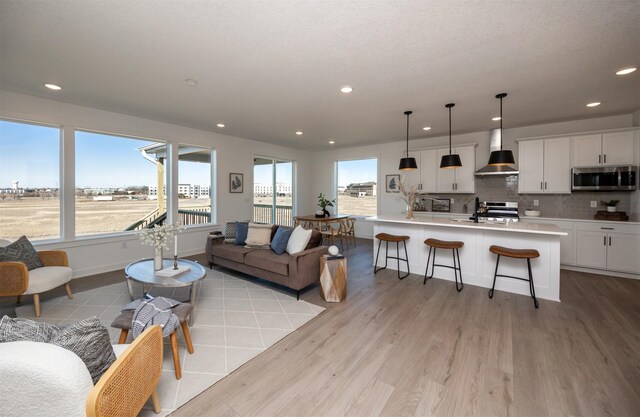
pixel 440 220
pixel 430 213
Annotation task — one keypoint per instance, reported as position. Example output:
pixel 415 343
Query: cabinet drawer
pixel 609 227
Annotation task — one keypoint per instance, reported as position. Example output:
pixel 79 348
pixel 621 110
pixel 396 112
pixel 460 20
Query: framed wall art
pixel 236 183
pixel 392 183
pixel 443 204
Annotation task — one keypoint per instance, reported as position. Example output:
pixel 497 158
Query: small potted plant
pixel 611 205
pixel 323 203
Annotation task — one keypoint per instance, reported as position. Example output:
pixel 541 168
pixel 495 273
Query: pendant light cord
pixel 449 130
pixel 408 134
pixel 501 138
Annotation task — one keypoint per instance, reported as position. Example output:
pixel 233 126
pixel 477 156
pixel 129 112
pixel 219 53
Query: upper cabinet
pixel 545 166
pixel 615 148
pixel 451 180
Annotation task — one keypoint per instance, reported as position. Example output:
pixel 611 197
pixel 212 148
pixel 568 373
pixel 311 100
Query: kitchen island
pixel 478 264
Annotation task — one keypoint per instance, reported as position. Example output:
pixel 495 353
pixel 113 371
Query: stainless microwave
pixel 602 178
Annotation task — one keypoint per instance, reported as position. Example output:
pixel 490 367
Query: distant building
pixel 361 189
pixel 14 189
pixel 265 190
pixel 184 190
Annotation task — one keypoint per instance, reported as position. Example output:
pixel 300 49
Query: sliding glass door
pixel 272 191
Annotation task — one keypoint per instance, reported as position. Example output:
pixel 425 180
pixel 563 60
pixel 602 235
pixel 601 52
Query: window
pixel 357 187
pixel 273 191
pixel 29 181
pixel 117 183
pixel 194 185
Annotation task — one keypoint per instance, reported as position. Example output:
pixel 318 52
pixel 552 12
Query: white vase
pixel 611 209
pixel 157 259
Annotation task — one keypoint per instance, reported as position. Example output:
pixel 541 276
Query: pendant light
pixel 407 163
pixel 501 157
pixel 451 160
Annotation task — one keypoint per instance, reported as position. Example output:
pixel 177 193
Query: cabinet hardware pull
pixel 609 240
pixel 545 185
pixel 604 240
pixel 607 228
pixel 541 185
pixel 605 158
pixel 599 159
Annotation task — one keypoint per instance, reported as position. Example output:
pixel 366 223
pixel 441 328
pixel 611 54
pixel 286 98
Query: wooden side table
pixel 333 279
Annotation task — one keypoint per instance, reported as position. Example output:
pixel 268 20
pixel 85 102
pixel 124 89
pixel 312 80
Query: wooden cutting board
pixel 613 216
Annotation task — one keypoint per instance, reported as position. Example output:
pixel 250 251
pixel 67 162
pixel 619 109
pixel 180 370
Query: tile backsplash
pixel 505 188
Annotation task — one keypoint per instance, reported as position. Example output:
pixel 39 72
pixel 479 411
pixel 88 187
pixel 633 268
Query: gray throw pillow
pixel 21 251
pixel 88 339
pixel 15 330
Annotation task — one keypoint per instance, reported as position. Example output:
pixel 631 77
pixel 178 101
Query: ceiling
pixel 269 68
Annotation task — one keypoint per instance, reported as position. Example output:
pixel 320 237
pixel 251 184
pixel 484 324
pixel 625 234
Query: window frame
pixel 336 180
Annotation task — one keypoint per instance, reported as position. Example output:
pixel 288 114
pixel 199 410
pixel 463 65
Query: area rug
pixel 235 319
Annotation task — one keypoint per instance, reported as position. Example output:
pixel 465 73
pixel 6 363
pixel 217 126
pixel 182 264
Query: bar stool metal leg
pixel 406 259
pixel 531 287
pixel 375 266
pixel 457 269
pixel 495 274
pixel 432 265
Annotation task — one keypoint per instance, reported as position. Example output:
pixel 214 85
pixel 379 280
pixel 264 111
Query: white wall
pixel 389 155
pixel 233 154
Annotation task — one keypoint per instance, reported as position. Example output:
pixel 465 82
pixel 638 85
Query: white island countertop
pixel 430 220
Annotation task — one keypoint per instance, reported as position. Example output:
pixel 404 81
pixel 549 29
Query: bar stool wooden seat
pixel 386 237
pixel 182 311
pixel 444 244
pixel 527 254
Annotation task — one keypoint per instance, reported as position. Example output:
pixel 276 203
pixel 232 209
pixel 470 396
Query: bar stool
pixel 182 311
pixel 444 244
pixel 386 237
pixel 527 254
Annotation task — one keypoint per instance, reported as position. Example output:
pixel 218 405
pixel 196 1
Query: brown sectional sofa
pixel 295 271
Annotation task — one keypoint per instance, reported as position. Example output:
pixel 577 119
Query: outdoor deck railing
pixel 185 218
pixel 262 213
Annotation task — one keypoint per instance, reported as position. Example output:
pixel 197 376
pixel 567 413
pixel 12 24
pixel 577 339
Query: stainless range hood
pixel 495 141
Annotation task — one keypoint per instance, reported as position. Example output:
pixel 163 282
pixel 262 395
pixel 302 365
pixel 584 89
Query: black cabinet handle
pixel 604 240
pixel 599 159
pixel 607 228
pixel 605 158
pixel 609 240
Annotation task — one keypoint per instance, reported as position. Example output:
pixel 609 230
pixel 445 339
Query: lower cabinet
pixel 609 249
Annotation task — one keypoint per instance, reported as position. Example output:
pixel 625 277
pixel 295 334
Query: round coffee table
pixel 142 272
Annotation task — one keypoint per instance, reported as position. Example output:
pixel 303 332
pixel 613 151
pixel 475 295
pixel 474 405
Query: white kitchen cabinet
pixel 617 148
pixel 608 246
pixel 614 148
pixel 428 170
pixel 457 180
pixel 545 166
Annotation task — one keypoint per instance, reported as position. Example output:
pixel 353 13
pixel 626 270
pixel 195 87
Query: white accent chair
pixel 16 280
pixel 44 380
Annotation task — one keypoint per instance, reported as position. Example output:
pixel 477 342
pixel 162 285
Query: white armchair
pixel 16 280
pixel 43 380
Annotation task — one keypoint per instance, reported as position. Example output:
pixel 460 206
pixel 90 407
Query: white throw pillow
pixel 259 235
pixel 299 240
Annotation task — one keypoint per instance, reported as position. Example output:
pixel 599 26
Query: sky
pixel 30 155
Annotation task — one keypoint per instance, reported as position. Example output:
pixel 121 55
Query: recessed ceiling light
pixel 346 89
pixel 299 132
pixel 426 128
pixel 191 82
pixel 53 87
pixel 331 142
pixel 625 71
pixel 594 104
pixel 495 119
pixel 220 125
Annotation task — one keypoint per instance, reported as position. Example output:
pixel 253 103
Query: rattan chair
pixel 125 388
pixel 333 233
pixel 16 280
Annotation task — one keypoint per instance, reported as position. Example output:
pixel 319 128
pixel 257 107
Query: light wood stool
pixel 182 311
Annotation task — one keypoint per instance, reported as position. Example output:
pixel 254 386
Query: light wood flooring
pixel 400 348
pixel 403 349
